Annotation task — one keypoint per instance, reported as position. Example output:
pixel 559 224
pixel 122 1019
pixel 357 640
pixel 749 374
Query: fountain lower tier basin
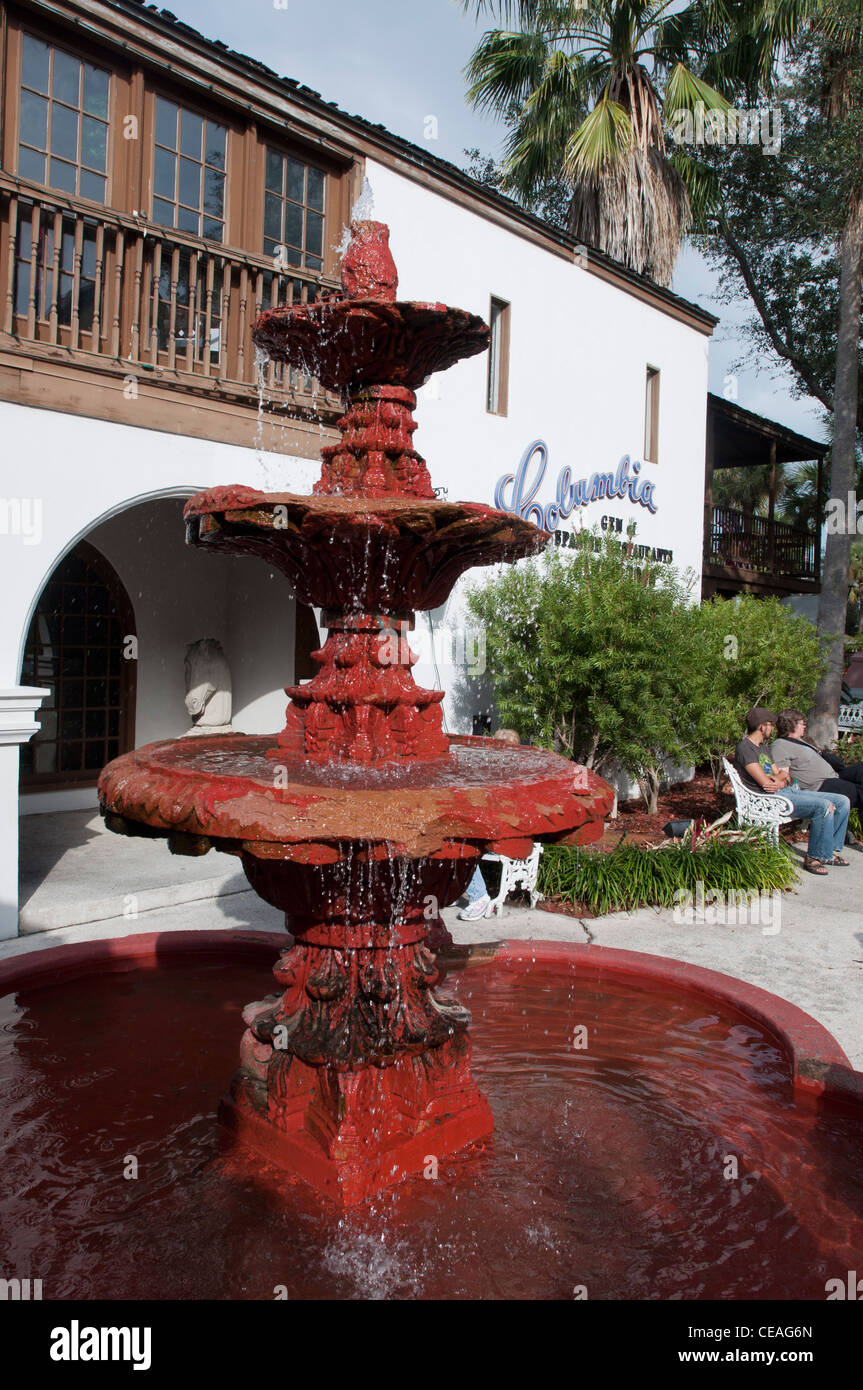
pixel 391 555
pixel 622 1087
pixel 230 791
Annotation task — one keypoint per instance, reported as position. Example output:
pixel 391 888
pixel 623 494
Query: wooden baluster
pixel 135 336
pixel 35 270
pixel 172 323
pixel 241 342
pixel 227 279
pixel 75 331
pixel 208 312
pixel 53 315
pixel 154 310
pixel 96 330
pixel 192 330
pixel 120 254
pixel 10 265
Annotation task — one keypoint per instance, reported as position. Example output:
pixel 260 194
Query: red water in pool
pixel 610 1174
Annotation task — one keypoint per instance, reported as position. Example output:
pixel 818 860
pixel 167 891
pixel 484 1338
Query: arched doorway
pixel 78 645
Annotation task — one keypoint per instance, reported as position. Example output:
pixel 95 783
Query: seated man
pixel 827 815
pixel 814 771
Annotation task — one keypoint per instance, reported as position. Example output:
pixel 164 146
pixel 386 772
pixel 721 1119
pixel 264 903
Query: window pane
pixel 163 213
pixel 34 64
pixel 191 132
pixel 272 216
pixel 94 143
pixel 67 247
pixel 296 180
pixel 95 91
pixel 166 123
pixel 31 165
pixel 67 78
pixel 213 231
pixel 88 257
pixel 274 170
pixel 314 263
pixel 316 189
pixel 295 257
pixel 63 175
pixel 190 183
pixel 293 225
pixel 314 233
pixel 269 246
pixel 214 192
pixel 22 286
pixel 214 148
pixel 164 174
pixel 64 132
pixel 188 220
pixel 93 186
pixel 34 120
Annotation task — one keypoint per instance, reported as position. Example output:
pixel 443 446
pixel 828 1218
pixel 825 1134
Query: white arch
pixel 159 495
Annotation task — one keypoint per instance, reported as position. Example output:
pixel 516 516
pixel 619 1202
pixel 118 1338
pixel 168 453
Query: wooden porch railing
pixel 103 283
pixel 742 541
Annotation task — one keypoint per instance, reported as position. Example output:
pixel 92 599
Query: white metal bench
pixel 515 873
pixel 759 808
pixel 851 718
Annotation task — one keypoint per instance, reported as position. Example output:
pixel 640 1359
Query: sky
pixel 397 62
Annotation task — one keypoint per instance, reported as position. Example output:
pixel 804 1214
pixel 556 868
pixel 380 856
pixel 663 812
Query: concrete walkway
pixel 814 959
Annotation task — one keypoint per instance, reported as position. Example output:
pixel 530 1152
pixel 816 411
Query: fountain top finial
pixel 368 268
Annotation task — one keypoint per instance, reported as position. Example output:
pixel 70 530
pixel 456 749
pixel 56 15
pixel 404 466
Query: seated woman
pixel 814 771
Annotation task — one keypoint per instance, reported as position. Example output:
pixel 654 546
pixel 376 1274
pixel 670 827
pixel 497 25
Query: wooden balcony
pixel 108 293
pixel 760 552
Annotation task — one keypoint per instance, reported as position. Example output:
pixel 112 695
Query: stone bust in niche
pixel 208 688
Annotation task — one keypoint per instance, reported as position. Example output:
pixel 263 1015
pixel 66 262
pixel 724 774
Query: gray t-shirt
pixel 806 764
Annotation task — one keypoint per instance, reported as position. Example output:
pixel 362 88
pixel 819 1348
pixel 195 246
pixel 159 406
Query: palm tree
pixel 585 86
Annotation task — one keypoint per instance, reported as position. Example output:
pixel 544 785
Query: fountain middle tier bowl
pixel 227 793
pixel 387 554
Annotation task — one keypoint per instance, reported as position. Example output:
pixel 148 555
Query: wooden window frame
pixel 55 779
pixel 497 378
pixel 652 380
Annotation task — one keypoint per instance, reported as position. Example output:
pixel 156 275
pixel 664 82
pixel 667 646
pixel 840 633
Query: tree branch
pixel 777 340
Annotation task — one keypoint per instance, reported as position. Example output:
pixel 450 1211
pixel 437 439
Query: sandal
pixel 814 866
pixel 837 859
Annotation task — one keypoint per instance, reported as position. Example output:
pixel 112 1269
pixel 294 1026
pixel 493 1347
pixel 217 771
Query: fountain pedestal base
pixel 349 1134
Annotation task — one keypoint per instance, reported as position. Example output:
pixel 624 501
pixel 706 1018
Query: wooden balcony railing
pixel 742 541
pixel 106 284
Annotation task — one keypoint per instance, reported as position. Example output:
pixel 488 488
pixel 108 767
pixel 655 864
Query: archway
pixel 80 645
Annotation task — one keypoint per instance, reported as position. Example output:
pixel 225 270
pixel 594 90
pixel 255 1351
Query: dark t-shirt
pixel 748 752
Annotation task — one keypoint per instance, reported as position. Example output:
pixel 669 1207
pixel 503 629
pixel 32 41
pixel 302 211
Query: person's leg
pixel 841 787
pixel 840 820
pixel 817 808
pixel 852 772
pixel 476 888
pixel 477 898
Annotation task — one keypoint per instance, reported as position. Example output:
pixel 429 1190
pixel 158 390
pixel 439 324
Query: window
pixel 294 211
pixel 63 121
pixel 75 647
pixel 498 358
pixel 189 171
pixel 651 416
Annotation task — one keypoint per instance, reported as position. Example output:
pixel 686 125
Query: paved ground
pixel 814 959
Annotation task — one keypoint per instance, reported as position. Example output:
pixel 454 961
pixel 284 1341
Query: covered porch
pixel 749 550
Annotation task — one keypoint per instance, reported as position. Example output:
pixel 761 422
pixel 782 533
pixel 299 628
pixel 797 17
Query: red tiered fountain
pixel 362 817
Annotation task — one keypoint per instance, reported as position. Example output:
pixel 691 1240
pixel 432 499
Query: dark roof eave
pixel 747 419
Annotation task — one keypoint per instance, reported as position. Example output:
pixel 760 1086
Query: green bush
pixel 632 876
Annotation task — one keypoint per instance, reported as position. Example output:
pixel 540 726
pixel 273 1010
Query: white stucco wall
pixel 579 349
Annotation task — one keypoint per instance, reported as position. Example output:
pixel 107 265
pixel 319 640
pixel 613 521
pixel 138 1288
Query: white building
pixel 158 190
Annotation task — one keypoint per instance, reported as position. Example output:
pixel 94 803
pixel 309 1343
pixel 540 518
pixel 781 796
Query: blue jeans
pixel 827 828
pixel 476 889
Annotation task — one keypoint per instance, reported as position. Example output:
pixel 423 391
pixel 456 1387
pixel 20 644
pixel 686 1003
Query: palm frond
pixel 504 69
pixel 600 142
pixel 684 91
pixel 703 187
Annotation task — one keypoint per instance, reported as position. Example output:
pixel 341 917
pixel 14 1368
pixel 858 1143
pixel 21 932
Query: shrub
pixel 632 876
